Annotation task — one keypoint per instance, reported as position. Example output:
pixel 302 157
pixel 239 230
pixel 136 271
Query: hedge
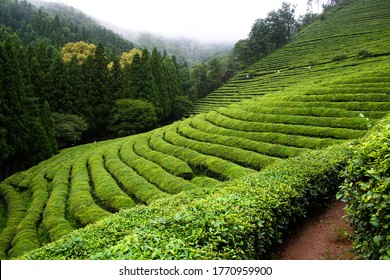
pixel 82 205
pixel 366 191
pixel 211 166
pixel 279 139
pixel 132 183
pixel 26 238
pixel 152 171
pixel 169 163
pixel 194 129
pixel 55 211
pixel 16 210
pixel 282 118
pixel 242 219
pixel 105 187
pixel 313 131
pixel 239 156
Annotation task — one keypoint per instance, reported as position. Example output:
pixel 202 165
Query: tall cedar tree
pixel 23 135
pixel 100 99
pixel 160 78
pixel 116 80
pixel 143 85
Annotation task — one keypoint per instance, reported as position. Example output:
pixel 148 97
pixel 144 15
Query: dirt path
pixel 320 237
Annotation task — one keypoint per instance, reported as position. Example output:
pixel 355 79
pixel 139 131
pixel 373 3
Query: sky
pixel 201 20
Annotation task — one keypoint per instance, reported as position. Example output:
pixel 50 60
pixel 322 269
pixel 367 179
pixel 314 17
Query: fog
pixel 211 21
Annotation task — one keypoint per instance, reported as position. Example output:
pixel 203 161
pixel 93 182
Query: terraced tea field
pixel 285 115
pixel 358 30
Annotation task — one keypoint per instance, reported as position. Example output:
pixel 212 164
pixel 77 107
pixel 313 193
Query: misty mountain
pixel 185 50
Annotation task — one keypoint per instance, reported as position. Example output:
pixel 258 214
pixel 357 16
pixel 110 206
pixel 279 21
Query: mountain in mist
pixel 185 50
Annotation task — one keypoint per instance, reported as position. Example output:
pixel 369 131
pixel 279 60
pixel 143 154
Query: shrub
pixel 16 212
pixel 366 191
pixel 340 57
pixel 171 164
pixel 242 219
pixel 240 156
pixel 26 238
pixel 81 203
pixel 364 54
pixel 211 166
pixel 68 128
pixel 106 188
pixel 54 214
pixel 152 171
pixel 134 184
pixel 187 130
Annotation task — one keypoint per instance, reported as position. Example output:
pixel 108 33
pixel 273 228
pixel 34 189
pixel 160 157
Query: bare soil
pixel 324 236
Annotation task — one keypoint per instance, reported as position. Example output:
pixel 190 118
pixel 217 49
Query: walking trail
pixel 320 237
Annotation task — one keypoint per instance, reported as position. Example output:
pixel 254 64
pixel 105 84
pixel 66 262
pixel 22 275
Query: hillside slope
pixel 303 109
pixel 358 30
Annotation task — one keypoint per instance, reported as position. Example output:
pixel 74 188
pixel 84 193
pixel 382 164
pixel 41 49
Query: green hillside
pixel 222 184
pixel 358 30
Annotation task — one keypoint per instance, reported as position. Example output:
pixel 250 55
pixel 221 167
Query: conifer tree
pixel 160 78
pixel 116 81
pixel 5 148
pixel 101 99
pixel 48 126
pixel 16 113
pixel 58 87
pixel 143 85
pixel 173 80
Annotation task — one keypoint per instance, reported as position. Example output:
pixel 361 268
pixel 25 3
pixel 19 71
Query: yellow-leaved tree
pixel 127 57
pixel 81 49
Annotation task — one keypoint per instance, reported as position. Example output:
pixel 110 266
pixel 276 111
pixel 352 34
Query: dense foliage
pixel 267 35
pixel 221 184
pixel 66 25
pixel 366 191
pixel 242 219
pixel 77 82
pixel 26 124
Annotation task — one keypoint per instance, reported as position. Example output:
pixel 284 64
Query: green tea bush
pixel 266 137
pixel 211 166
pixel 241 219
pixel 239 156
pixel 351 123
pixel 55 211
pixel 82 205
pixel 153 172
pixel 274 150
pixel 366 191
pixel 171 164
pixel 26 238
pixel 312 131
pixel 16 211
pixel 132 183
pixel 106 188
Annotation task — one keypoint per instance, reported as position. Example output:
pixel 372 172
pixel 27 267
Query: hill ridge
pixel 219 152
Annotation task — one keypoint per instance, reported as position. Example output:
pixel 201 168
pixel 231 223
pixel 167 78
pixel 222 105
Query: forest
pixel 66 82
